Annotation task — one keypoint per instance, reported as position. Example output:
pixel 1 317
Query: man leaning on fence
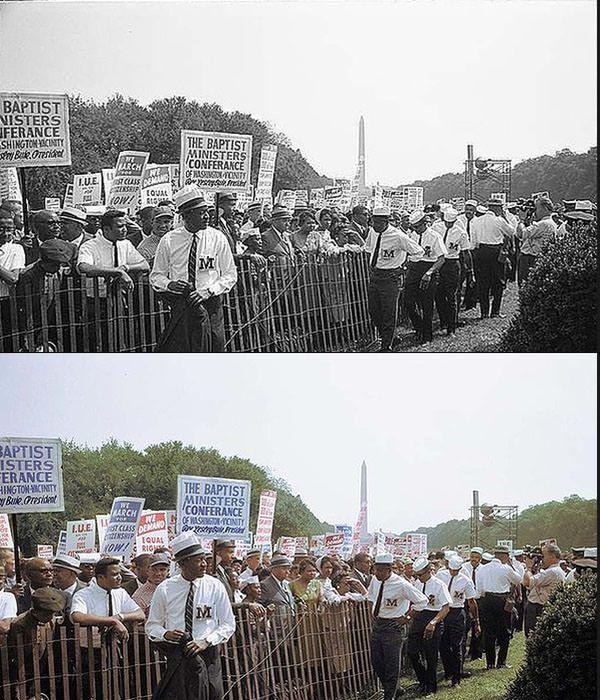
pixel 193 269
pixel 190 616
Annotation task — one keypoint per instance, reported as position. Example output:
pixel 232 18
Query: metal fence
pixel 321 654
pixel 313 304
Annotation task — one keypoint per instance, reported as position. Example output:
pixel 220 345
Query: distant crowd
pixel 438 257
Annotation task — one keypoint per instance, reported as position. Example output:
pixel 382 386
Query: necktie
pixel 192 261
pixel 115 254
pixel 376 252
pixel 189 610
pixel 473 575
pixel 110 605
pixel 450 584
pixel 378 601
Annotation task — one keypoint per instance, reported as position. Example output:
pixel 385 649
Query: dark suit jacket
pixel 365 579
pixel 221 574
pixel 274 243
pixel 131 586
pixel 69 597
pixel 271 593
pixel 355 227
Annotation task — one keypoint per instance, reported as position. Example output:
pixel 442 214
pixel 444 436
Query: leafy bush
pixel 557 310
pixel 560 654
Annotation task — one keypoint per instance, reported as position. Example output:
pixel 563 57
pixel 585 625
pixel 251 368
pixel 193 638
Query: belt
pixel 498 594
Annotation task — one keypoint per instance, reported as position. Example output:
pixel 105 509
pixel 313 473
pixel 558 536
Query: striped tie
pixel 189 610
pixel 192 262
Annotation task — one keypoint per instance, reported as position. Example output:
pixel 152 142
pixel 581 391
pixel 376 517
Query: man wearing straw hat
pixel 190 616
pixel 193 268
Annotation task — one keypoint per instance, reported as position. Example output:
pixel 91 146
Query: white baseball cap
pixel 416 216
pixel 382 211
pixel 420 564
pixel 450 214
pixel 455 562
pixel 384 558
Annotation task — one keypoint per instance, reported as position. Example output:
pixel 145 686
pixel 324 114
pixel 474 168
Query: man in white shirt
pixel 193 268
pixel 470 569
pixel 250 232
pixel 462 591
pixel 8 602
pixel 73 223
pixel 541 584
pixel 535 237
pixel 427 625
pixel 387 247
pixel 491 238
pixel 448 295
pixel 493 588
pixel 102 605
pixel 391 596
pixel 191 616
pixel 422 276
pixel 12 259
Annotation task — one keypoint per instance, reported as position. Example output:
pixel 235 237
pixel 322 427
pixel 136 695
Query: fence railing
pixel 314 304
pixel 321 654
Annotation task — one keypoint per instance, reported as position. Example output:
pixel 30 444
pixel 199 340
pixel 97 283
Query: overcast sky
pixel 520 429
pixel 516 79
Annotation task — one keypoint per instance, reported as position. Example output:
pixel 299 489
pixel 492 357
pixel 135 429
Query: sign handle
pixel 15 530
pixel 214 558
pixel 23 185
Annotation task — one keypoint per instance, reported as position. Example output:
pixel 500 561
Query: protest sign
pixel 81 536
pixel 317 545
pixel 52 203
pixel 241 549
pixel 101 525
pixel 9 185
pixel 302 198
pixel 346 549
pixel 266 514
pixel 213 507
pixel 358 545
pixel 125 187
pixel 156 185
pixel 30 475
pixel 46 551
pixel 108 175
pixel 502 196
pixel 34 130
pixel 171 523
pixel 152 532
pixel 174 174
pixel 333 542
pixel 87 189
pixel 416 544
pixel 122 526
pixel 317 197
pixel 68 198
pixel 302 543
pixel 505 543
pixel 6 538
pixel 287 545
pixel 62 543
pixel 266 173
pixel 287 198
pixel 216 161
pixel 334 196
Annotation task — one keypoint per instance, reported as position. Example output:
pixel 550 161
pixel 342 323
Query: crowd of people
pixel 443 259
pixel 424 610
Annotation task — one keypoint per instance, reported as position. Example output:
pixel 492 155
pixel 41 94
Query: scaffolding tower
pixel 492 523
pixel 486 177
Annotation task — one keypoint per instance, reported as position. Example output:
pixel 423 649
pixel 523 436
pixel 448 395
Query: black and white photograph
pixel 298 335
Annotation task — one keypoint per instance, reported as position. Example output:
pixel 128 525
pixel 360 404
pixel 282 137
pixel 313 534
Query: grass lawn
pixel 477 335
pixel 483 685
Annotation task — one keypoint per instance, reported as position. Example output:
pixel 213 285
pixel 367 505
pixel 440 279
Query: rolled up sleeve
pixel 159 278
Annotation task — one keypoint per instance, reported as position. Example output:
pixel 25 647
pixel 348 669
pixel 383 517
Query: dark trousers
pixel 526 262
pixel 447 294
pixel 420 648
pixel 475 643
pixel 386 642
pixel 490 278
pixel 451 643
pixel 419 303
pixel 189 329
pixel 190 678
pixel 493 626
pixel 531 613
pixel 384 288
